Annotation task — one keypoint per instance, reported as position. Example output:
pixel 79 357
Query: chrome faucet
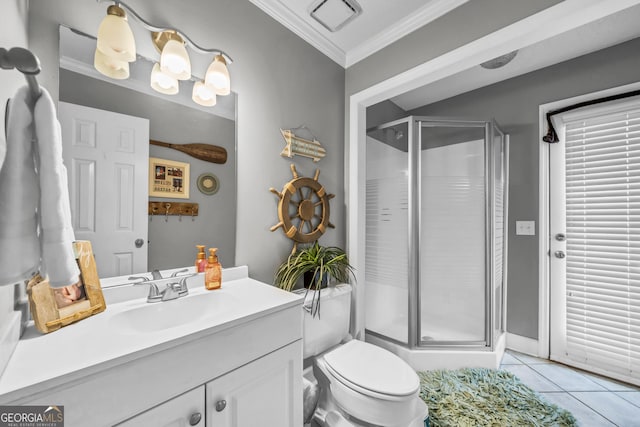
pixel 172 290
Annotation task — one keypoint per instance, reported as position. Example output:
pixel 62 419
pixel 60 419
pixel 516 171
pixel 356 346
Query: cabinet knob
pixel 195 418
pixel 220 405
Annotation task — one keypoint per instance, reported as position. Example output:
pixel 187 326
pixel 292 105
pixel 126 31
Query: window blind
pixel 602 160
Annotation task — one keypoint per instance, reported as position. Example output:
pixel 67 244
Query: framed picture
pixel 168 178
pixel 52 309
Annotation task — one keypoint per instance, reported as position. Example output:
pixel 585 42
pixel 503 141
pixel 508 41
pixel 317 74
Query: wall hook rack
pixel 173 208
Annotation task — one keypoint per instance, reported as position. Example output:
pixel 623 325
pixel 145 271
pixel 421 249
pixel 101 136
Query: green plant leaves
pixel 323 261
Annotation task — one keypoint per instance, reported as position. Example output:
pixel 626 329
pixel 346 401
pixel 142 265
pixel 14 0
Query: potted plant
pixel 320 265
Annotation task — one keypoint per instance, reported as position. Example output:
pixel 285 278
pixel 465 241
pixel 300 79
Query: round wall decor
pixel 303 209
pixel 208 184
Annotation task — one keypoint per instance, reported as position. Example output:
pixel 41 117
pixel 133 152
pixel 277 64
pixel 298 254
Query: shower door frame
pixel 415 205
pixel 415 125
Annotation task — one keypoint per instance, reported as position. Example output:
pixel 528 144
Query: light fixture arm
pixel 151 27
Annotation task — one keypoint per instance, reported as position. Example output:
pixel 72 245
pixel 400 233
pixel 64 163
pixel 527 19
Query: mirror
pixel 173 119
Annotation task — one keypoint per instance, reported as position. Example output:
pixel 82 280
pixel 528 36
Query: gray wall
pixel 383 112
pixel 281 81
pixel 172 243
pixel 514 104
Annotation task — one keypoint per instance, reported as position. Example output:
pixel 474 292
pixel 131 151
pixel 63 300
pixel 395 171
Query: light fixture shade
pixel 203 94
pixel 115 38
pixel 110 67
pixel 174 60
pixel 218 76
pixel 163 83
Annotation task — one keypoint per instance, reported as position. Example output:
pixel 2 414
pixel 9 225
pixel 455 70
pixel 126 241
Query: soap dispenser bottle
pixel 213 271
pixel 201 259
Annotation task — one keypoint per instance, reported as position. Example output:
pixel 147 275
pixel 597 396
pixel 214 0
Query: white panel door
pixel 106 155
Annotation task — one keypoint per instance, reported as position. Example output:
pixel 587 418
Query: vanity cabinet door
pixel 182 411
pixel 265 392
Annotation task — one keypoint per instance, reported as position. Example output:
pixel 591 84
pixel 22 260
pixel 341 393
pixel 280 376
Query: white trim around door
pixel 544 246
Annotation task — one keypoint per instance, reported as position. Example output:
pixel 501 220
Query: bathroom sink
pixel 160 316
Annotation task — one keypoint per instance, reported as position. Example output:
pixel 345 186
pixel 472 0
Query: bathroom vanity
pixel 230 357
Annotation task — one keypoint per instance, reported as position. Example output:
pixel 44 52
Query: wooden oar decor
pixel 207 152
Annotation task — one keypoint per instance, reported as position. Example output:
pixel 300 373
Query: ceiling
pixel 381 23
pixel 614 29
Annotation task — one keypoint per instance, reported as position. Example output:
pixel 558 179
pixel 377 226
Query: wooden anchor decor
pixel 301 146
pixel 303 209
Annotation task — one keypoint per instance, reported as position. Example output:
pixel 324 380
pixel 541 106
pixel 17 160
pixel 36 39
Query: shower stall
pixel 435 240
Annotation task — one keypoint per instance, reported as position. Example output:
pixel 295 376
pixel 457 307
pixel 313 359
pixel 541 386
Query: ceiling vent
pixel 334 14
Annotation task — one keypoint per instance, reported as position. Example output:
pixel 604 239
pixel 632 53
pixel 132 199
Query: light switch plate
pixel 525 228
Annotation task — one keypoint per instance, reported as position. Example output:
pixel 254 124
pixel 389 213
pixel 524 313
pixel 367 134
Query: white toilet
pixel 360 384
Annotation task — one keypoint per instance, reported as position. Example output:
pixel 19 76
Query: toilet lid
pixel 373 368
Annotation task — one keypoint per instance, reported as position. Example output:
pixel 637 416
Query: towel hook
pixel 166 214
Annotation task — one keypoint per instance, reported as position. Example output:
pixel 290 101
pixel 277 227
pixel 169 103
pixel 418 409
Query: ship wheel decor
pixel 303 209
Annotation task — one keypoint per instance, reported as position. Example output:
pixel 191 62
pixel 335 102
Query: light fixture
pixel 174 59
pixel 115 38
pixel 500 61
pixel 116 47
pixel 111 67
pixel 203 94
pixel 218 76
pixel 163 82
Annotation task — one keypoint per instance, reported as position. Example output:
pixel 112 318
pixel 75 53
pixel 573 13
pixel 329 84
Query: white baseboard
pixel 9 336
pixel 522 344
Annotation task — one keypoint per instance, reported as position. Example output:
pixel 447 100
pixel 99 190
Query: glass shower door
pixel 500 197
pixel 387 231
pixel 453 275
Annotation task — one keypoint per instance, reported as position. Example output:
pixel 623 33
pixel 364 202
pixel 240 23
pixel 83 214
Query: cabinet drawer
pixel 184 410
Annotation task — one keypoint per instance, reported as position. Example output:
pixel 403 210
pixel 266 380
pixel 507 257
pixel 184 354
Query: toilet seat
pixel 370 393
pixel 372 371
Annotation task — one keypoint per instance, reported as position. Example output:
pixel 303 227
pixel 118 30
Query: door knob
pixel 195 418
pixel 561 237
pixel 139 243
pixel 559 254
pixel 220 405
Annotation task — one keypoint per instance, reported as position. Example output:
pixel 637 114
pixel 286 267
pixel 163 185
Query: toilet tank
pixel 331 326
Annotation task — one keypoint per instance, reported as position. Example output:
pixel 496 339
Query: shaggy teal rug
pixel 486 397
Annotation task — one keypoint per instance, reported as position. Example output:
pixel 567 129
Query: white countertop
pixel 103 340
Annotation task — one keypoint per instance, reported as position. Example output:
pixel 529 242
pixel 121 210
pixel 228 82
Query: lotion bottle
pixel 213 271
pixel 201 261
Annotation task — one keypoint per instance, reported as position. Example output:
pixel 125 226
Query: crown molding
pixel 420 18
pixel 293 22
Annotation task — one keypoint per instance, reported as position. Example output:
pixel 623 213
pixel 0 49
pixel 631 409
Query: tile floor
pixel 592 399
